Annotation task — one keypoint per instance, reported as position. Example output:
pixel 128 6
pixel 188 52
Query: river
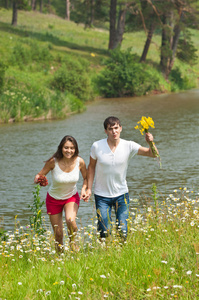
pixel 25 146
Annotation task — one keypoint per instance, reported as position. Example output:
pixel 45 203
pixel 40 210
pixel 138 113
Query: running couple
pixel 108 165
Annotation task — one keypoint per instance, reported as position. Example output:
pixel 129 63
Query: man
pixel 109 160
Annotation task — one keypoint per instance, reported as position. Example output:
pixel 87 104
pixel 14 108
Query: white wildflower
pixel 189 272
pixel 48 293
pixel 164 262
pixel 74 286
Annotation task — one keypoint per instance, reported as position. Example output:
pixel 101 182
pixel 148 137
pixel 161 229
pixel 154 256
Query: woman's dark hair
pixel 58 154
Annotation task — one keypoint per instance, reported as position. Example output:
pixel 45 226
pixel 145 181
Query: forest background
pixel 56 56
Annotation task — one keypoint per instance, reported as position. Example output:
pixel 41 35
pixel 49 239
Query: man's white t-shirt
pixel 111 167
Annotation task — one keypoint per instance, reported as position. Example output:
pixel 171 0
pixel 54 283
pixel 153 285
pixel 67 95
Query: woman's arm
pixel 49 165
pixel 91 175
pixel 84 175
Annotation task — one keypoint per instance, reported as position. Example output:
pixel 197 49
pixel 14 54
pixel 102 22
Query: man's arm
pixel 90 175
pixel 147 151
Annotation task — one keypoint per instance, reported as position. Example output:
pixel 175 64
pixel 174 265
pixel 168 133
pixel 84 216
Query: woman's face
pixel 68 149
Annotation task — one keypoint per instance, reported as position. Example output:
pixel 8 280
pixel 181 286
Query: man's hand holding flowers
pixel 143 126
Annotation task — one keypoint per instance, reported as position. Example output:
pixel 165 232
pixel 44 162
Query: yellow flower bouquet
pixel 143 126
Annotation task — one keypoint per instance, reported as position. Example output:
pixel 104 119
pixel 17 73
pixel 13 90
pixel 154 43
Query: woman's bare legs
pixel 57 224
pixel 71 210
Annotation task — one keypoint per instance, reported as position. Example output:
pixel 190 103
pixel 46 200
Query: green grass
pixel 63 40
pixel 159 260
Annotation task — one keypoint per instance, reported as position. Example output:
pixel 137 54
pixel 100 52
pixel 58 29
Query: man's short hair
pixel 111 121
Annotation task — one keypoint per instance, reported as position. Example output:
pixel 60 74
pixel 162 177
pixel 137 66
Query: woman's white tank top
pixel 64 184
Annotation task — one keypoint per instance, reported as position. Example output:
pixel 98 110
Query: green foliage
pixel 158 259
pixel 3 68
pixel 72 77
pixel 123 76
pixel 3 233
pixel 36 219
pixel 24 5
pixel 76 105
pixel 61 103
pixel 178 82
pixel 19 102
pixel 34 51
pixel 20 56
pixel 187 52
pixel 24 55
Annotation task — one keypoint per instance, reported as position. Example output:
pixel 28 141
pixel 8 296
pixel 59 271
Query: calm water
pixel 24 147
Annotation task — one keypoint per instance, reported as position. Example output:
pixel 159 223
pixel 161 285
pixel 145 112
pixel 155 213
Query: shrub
pixel 3 68
pixel 123 76
pixel 178 82
pixel 63 103
pixel 22 55
pixel 186 51
pixel 73 78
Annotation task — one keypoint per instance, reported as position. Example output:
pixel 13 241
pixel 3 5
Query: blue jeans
pixel 103 208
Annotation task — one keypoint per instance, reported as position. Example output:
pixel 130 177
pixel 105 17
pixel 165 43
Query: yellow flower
pixel 143 126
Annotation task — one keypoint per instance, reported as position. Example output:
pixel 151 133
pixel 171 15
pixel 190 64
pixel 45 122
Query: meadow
pixel 159 259
pixel 43 52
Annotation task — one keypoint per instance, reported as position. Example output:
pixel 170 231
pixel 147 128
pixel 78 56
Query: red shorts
pixel 55 206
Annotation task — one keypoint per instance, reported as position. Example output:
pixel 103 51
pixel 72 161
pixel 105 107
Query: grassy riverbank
pixel 44 50
pixel 159 260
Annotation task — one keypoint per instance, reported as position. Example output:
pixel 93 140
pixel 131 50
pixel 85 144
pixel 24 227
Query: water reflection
pixel 24 148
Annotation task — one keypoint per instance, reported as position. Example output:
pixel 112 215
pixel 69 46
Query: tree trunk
pixel 176 36
pixel 6 4
pixel 147 43
pixel 166 51
pixel 120 29
pixel 48 5
pixel 67 16
pixel 41 6
pixel 112 29
pixel 34 4
pixel 14 13
pixel 92 11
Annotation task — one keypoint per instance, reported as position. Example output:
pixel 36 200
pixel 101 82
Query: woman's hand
pixel 36 178
pixel 83 195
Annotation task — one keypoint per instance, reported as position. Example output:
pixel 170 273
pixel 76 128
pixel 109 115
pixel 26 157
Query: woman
pixel 62 194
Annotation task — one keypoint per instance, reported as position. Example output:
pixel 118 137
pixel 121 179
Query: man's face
pixel 113 132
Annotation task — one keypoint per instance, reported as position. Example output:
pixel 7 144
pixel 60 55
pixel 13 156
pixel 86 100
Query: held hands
pixel 85 194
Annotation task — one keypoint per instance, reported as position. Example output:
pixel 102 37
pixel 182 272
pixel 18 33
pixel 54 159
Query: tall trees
pixel 170 17
pixel 33 4
pixel 14 12
pixel 67 16
pixel 117 15
pixel 112 22
pixel 173 22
